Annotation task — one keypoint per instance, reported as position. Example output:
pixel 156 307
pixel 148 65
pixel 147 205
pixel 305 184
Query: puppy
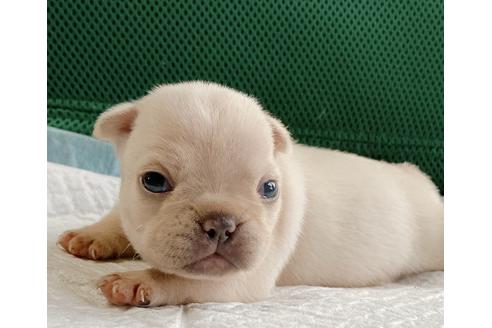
pixel 224 205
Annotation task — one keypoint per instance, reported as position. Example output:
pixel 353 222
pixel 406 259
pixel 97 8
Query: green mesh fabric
pixel 360 76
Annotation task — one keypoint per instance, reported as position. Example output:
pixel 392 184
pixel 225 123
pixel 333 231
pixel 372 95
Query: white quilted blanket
pixel 77 197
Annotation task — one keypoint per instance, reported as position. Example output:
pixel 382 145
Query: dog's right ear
pixel 116 123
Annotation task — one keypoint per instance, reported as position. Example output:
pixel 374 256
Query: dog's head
pixel 201 187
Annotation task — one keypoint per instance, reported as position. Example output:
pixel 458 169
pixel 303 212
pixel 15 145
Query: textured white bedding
pixel 77 198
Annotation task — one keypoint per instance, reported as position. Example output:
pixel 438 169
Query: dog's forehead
pixel 218 128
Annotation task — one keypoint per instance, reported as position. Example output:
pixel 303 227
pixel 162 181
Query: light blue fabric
pixel 81 151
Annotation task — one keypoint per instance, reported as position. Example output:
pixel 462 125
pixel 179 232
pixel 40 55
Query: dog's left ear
pixel 281 137
pixel 116 124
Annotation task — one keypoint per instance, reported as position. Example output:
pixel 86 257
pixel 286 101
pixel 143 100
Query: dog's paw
pixel 129 288
pixel 95 245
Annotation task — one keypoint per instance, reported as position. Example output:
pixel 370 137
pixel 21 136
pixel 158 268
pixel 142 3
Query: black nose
pixel 218 226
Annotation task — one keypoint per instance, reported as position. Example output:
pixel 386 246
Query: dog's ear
pixel 281 137
pixel 116 123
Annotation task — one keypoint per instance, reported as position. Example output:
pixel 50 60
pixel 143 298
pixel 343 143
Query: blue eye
pixel 268 189
pixel 155 182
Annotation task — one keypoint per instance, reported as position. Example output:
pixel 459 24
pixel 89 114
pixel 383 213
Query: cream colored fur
pixel 340 219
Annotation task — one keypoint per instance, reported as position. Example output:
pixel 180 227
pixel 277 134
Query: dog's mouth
pixel 212 264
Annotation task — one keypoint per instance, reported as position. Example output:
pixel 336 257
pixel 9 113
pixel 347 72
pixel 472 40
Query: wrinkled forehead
pixel 213 135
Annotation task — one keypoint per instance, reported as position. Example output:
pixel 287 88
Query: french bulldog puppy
pixel 224 205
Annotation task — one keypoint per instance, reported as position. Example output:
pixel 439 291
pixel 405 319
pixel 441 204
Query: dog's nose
pixel 219 227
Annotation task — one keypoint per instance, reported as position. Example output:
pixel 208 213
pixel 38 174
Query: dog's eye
pixel 268 189
pixel 155 182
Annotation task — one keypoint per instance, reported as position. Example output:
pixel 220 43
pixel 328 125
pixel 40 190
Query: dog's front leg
pixel 153 288
pixel 99 241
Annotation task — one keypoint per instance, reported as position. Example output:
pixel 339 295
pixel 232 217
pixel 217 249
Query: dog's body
pixel 216 235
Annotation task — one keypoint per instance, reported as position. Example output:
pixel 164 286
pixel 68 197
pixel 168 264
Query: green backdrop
pixel 361 76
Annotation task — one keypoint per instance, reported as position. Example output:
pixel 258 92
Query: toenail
pixel 144 303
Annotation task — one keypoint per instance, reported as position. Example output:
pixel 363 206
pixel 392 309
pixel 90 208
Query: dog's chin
pixel 210 266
